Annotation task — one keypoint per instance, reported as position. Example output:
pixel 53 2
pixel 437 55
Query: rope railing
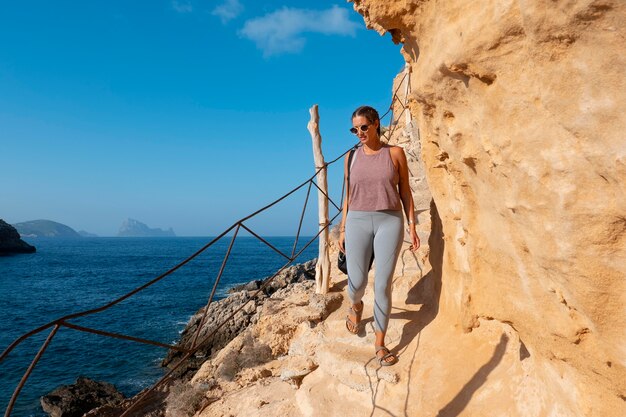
pixel 196 344
pixel 64 321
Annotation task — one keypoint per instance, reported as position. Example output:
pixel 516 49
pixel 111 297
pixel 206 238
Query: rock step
pixel 355 367
pixel 350 358
pixel 322 394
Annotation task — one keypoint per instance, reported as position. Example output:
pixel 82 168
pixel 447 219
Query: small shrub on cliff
pixel 184 399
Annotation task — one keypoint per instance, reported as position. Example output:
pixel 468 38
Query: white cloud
pixel 182 6
pixel 228 10
pixel 283 31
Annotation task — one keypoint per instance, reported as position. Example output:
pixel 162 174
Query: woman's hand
pixel 399 160
pixel 341 241
pixel 415 239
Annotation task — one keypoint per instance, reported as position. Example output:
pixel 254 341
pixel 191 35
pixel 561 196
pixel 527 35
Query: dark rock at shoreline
pixel 153 405
pixel 10 241
pixel 79 398
pixel 295 273
pixel 222 309
pixel 249 286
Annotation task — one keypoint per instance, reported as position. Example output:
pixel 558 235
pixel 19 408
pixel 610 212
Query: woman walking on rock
pixel 377 190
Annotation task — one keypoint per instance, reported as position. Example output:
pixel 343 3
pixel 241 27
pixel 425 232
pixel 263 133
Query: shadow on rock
pixel 460 401
pixel 427 290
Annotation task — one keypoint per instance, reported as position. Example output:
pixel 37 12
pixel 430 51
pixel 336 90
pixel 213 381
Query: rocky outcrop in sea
pixel 10 241
pixel 135 228
pixel 76 399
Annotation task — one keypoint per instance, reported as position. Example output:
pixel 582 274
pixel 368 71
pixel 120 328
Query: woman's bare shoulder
pixel 396 150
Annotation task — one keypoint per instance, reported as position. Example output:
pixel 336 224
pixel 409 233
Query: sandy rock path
pixel 463 376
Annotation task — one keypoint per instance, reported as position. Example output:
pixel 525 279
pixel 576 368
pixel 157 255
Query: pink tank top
pixel 374 182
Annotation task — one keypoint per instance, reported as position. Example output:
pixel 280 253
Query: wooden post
pixel 322 269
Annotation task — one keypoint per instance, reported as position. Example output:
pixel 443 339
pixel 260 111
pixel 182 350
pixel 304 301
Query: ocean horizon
pixel 67 276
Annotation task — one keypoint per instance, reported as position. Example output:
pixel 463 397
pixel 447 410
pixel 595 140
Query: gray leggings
pixel 382 232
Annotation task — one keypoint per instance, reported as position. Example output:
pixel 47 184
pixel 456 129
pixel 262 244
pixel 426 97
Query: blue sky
pixel 182 114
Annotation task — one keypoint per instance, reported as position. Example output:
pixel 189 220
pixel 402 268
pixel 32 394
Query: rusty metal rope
pixel 395 97
pixel 195 345
pixel 392 126
pixel 64 321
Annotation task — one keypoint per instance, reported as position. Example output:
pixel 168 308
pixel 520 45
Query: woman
pixel 372 221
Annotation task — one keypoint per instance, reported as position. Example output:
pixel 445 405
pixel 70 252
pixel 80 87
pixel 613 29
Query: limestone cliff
pixel 520 108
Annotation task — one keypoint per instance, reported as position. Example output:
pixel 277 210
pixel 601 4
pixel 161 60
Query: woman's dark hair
pixel 369 113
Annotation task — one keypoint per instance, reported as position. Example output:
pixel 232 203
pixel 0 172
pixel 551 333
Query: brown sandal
pixel 382 360
pixel 353 327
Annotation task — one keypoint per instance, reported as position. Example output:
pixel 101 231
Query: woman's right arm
pixel 344 214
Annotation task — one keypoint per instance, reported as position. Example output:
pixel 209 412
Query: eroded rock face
pixel 520 108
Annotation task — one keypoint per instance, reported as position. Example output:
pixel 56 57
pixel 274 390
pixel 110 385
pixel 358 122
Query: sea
pixel 67 276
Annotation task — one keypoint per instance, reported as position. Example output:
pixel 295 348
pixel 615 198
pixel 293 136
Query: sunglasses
pixel 362 127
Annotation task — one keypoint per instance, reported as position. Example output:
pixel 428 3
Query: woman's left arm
pixel 406 195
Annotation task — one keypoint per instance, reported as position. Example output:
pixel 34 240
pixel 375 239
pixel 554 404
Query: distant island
pixel 10 241
pixel 87 234
pixel 134 228
pixel 45 228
